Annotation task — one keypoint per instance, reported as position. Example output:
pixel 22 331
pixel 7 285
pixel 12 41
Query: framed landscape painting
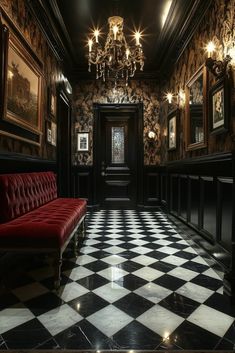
pixel 21 87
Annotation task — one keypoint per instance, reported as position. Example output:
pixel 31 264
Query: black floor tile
pixel 43 303
pixel 179 304
pixel 92 282
pixel 136 336
pixel 131 266
pixel 230 334
pixel 82 336
pixel 133 304
pixel 157 255
pixel 194 266
pixel 225 345
pixel 169 282
pixel 186 255
pixel 88 304
pixel 190 336
pixel 207 282
pixel 7 299
pixel 162 266
pixel 96 266
pixel 131 282
pixel 26 336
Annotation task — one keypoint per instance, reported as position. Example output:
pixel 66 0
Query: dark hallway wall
pixel 217 25
pixel 15 14
pixel 89 92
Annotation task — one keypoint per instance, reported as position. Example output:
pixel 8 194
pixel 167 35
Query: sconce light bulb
pixel 210 48
pixel 151 135
pixel 169 97
pixel 231 53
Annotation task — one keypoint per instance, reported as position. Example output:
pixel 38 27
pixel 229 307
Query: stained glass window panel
pixel 118 144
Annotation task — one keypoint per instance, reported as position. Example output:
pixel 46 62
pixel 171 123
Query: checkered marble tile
pixel 136 284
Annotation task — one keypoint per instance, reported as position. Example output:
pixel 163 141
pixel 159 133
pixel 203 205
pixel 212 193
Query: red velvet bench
pixel 34 219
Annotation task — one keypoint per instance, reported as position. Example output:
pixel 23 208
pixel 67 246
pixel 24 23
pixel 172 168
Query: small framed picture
pixel 218 106
pixel 172 129
pixel 83 141
pixel 53 133
pixel 51 102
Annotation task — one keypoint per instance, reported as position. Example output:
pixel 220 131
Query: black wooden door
pixel 118 151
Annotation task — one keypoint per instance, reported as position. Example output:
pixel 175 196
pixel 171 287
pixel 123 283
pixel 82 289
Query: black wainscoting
pixel 201 193
pixel 82 183
pixel 18 163
pixel 151 187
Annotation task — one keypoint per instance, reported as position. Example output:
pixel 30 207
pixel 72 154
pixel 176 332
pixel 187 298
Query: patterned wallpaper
pixel 22 18
pixel 218 25
pixel 89 92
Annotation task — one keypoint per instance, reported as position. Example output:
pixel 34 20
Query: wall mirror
pixel 195 110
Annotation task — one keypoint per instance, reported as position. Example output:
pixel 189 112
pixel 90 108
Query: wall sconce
pixel 151 135
pixel 176 99
pixel 219 67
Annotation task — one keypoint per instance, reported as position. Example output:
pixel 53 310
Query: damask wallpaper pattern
pixel 20 15
pixel 89 92
pixel 217 25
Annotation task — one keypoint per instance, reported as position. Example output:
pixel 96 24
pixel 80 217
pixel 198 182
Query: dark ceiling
pixel 68 23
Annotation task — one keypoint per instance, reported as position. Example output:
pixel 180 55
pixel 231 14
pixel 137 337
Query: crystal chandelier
pixel 117 60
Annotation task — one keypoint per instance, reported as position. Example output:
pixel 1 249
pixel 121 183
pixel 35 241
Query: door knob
pixel 103 173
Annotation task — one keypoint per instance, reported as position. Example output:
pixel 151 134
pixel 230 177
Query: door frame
pixel 98 109
pixel 62 97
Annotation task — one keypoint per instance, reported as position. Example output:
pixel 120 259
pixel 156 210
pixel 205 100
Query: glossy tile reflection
pixel 136 284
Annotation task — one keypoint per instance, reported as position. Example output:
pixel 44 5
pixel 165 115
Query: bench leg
pixel 57 269
pixel 75 244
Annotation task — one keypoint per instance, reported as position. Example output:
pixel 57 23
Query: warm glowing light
pixel 10 74
pixel 169 97
pixel 166 336
pixel 96 34
pixel 166 11
pixel 137 37
pixel 151 135
pixel 127 53
pixel 115 30
pixel 181 96
pixel 231 52
pixel 90 42
pixel 210 48
pixel 78 306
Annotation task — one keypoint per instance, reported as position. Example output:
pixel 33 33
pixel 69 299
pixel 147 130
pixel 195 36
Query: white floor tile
pixel 174 260
pixel 114 259
pixel 59 319
pixel 111 292
pixel 109 320
pixel 153 292
pixel 160 320
pixel 71 291
pixel 144 260
pixel 211 320
pixel 112 273
pixel 148 273
pixel 12 317
pixel 195 292
pixel 78 273
pixel 183 273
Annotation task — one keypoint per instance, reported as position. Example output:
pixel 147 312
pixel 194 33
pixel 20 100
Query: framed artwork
pixel 172 129
pixel 48 132
pixel 218 106
pixel 196 110
pixel 51 102
pixel 53 133
pixel 83 141
pixel 22 82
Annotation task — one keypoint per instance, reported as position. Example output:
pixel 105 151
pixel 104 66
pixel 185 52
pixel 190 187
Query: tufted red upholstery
pixel 21 193
pixel 47 226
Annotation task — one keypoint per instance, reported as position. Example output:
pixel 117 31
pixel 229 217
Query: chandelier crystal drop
pixel 117 59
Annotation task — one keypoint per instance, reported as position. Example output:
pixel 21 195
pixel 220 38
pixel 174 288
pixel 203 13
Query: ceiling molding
pixel 43 16
pixel 178 32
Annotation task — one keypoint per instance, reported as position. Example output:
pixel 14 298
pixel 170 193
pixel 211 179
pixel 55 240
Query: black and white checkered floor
pixel 137 284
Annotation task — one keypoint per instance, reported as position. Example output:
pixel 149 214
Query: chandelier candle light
pixel 117 60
